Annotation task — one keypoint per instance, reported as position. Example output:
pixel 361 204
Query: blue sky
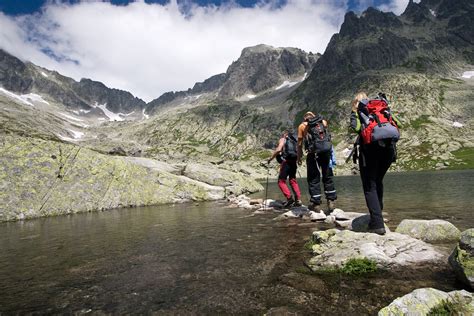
pixel 149 48
pixel 18 7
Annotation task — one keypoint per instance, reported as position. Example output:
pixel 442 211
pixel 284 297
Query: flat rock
pixel 435 230
pixel 333 248
pixel 422 301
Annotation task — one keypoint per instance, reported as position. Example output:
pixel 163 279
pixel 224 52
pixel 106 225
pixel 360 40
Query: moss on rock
pixel 45 178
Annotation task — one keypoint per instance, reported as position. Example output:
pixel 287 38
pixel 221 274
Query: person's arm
pixel 301 134
pixel 355 122
pixel 278 149
pixel 397 121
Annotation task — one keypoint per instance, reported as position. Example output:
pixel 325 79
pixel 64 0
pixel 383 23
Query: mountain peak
pixel 369 21
pixel 262 67
pixel 418 13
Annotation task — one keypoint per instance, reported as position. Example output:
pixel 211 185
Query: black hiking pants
pixel 374 162
pixel 313 164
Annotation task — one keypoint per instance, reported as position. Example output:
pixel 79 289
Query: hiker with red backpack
pixel 378 134
pixel 286 154
pixel 314 133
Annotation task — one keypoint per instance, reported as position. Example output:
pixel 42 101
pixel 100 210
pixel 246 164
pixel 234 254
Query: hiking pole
pixel 266 191
pixel 353 149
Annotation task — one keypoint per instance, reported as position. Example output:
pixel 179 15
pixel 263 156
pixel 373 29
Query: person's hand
pixel 299 162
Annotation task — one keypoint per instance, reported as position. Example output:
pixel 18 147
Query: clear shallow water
pixel 208 259
pixel 445 195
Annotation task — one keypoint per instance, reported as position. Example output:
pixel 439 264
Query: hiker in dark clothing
pixel 317 162
pixel 286 154
pixel 374 160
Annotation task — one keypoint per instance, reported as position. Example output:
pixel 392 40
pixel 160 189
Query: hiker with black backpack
pixel 286 154
pixel 378 134
pixel 314 133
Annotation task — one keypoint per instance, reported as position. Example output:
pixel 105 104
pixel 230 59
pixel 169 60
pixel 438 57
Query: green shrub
pixel 359 266
pixel 309 245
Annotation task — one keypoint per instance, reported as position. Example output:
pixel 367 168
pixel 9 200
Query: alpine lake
pixel 207 258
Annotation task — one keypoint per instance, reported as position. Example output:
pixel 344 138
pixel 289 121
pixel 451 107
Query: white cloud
pixel 150 49
pixel 396 6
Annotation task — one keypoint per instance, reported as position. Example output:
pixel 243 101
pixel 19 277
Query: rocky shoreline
pixel 411 246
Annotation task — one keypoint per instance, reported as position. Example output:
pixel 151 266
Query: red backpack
pixel 377 122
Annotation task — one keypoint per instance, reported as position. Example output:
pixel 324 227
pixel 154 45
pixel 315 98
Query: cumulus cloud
pixel 396 6
pixel 149 49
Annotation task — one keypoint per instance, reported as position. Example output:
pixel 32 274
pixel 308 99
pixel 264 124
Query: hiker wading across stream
pixel 286 154
pixel 378 134
pixel 314 133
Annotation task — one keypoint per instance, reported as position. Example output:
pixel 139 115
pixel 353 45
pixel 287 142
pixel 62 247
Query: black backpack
pixel 318 139
pixel 290 150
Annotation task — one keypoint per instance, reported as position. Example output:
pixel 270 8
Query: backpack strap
pixel 376 118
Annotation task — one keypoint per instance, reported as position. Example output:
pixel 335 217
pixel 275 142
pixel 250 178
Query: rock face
pixel 423 301
pixel 262 67
pixel 435 230
pixel 462 258
pixel 334 247
pixel 44 178
pixel 211 84
pixel 21 77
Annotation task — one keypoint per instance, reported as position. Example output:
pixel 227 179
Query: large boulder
pixel 462 258
pixel 333 248
pixel 43 178
pixel 430 301
pixel 234 183
pixel 435 230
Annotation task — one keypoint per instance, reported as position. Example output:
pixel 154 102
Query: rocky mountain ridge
pixel 20 77
pixel 431 37
pixel 258 69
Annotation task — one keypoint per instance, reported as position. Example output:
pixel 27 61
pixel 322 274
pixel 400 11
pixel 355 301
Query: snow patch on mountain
pixel 70 117
pixel 12 95
pixel 111 115
pixel 34 98
pixel 468 74
pixel 146 116
pixel 289 84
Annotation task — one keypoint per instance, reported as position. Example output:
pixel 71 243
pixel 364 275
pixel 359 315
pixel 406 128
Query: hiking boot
pixel 314 207
pixel 298 202
pixel 331 206
pixel 289 203
pixel 378 231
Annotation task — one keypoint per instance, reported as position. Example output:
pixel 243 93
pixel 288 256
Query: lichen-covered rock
pixel 462 258
pixel 423 301
pixel 467 241
pixel 42 178
pixel 234 183
pixel 435 230
pixel 335 247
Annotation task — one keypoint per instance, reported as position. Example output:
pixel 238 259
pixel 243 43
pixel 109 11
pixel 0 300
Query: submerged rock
pixel 333 248
pixel 435 230
pixel 427 300
pixel 462 258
